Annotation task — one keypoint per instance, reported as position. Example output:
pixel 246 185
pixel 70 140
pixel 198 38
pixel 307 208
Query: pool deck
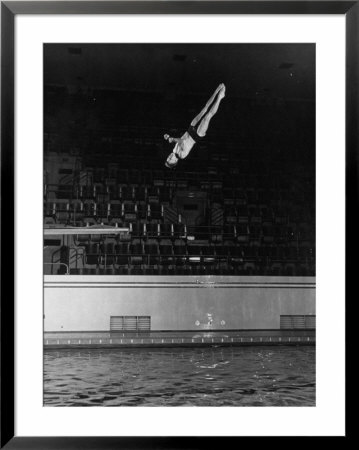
pixel 77 340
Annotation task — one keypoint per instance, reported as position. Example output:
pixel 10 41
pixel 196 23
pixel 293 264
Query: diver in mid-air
pixel 197 130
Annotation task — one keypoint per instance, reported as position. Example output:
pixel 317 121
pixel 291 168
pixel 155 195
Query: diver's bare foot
pixel 222 92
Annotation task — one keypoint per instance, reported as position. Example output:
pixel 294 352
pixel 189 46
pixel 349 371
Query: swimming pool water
pixel 211 376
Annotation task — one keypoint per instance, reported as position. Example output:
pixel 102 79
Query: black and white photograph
pixel 179 224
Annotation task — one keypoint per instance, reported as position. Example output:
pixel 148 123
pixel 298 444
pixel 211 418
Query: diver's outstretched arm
pixel 171 139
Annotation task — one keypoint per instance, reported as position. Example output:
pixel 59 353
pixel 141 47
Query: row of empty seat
pixel 257 218
pixel 298 236
pixel 67 212
pixel 168 251
pixel 167 191
pixel 198 270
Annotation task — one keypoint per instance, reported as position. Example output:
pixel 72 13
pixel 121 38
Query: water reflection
pixel 223 376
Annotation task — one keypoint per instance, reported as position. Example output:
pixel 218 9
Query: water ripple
pixel 222 376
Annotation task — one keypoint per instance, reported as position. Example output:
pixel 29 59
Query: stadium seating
pixel 244 214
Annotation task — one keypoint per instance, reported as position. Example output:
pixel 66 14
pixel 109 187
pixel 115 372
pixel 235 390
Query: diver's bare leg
pixel 203 126
pixel 208 104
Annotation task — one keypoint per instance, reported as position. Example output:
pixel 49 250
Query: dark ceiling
pixel 274 70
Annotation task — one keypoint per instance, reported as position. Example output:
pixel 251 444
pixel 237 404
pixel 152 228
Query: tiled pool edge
pixel 168 341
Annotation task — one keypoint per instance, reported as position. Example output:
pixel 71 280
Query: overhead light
pixel 179 57
pixel 74 50
pixel 285 65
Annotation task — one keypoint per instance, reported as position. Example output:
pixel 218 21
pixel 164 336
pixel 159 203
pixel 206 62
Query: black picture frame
pixel 9 10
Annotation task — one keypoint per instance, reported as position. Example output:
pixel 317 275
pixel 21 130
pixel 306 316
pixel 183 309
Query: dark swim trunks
pixel 193 133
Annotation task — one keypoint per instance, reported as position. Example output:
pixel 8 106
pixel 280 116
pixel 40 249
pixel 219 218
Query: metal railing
pixel 60 264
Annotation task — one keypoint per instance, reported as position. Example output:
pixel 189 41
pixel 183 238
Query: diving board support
pixel 61 231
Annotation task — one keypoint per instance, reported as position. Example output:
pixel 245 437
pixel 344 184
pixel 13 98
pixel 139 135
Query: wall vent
pixel 297 322
pixel 130 323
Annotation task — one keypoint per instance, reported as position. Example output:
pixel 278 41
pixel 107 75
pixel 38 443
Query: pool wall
pixel 86 303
